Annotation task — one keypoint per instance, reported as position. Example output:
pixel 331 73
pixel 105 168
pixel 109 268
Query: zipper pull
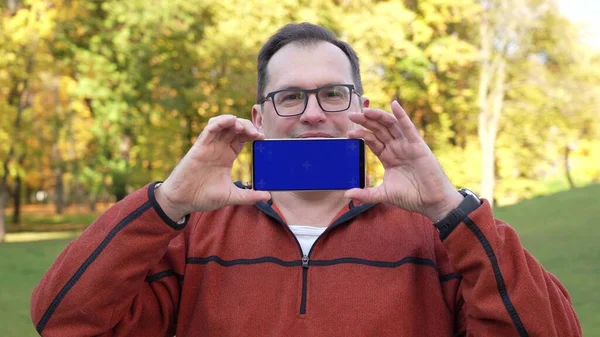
pixel 305 261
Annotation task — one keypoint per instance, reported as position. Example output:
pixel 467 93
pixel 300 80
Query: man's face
pixel 307 67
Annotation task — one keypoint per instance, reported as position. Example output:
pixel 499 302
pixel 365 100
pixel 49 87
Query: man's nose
pixel 313 113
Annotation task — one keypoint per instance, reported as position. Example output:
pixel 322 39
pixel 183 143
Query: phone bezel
pixel 362 162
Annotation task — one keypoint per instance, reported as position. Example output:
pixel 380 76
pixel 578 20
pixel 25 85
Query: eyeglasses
pixel 293 102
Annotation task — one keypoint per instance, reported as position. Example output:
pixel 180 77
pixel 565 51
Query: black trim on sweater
pixel 512 312
pixel 161 213
pixel 372 263
pixel 266 208
pixel 67 287
pixel 163 274
pixel 304 291
pixel 231 263
pixel 451 276
pixel 350 214
pixel 322 263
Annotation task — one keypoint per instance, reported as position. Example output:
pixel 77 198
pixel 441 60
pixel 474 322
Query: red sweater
pixel 239 271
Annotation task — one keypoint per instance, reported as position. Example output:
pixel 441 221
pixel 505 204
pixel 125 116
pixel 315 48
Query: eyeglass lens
pixel 332 99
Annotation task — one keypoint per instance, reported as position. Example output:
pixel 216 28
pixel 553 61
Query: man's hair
pixel 305 34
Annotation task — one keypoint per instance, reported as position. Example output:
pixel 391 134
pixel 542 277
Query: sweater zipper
pixel 305 259
pixel 305 264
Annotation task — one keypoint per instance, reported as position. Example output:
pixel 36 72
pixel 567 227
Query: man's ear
pixel 257 117
pixel 365 101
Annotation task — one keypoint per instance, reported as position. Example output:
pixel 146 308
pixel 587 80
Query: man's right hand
pixel 202 179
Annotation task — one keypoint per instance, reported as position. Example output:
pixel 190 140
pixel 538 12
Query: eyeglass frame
pixel 307 92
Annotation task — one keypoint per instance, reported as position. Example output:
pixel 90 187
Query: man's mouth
pixel 315 135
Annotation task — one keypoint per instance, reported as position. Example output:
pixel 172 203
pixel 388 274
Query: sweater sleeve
pixel 121 277
pixel 504 290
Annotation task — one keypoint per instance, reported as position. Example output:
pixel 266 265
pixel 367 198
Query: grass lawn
pixel 561 230
pixel 50 223
pixel 22 265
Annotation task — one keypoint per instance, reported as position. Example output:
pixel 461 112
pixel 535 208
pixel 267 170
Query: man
pixel 200 256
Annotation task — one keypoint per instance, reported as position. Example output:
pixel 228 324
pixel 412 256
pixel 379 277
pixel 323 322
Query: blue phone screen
pixel 307 164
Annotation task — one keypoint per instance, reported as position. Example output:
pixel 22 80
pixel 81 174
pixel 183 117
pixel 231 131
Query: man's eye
pixel 334 93
pixel 291 96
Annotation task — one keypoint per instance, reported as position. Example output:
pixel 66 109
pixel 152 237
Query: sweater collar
pixel 346 213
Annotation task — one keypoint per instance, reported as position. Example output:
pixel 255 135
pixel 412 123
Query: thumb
pixel 365 195
pixel 248 197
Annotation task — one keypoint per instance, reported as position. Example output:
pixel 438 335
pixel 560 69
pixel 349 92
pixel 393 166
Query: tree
pixel 505 35
pixel 25 28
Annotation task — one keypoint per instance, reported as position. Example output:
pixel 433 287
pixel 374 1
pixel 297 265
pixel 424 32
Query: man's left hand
pixel 413 179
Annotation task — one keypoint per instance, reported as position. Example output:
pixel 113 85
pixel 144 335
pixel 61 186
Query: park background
pixel 98 98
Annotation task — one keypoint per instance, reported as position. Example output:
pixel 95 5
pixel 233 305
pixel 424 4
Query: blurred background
pixel 98 98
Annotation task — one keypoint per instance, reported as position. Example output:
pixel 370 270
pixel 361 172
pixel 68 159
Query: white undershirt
pixel 307 235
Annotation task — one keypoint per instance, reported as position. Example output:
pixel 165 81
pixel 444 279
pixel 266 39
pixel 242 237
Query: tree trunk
pixel 59 201
pixel 489 118
pixel 29 195
pixel 92 203
pixel 120 192
pixel 485 142
pixel 568 167
pixel 3 199
pixel 488 157
pixel 490 100
pixel 16 220
pixel 120 175
pixel 12 6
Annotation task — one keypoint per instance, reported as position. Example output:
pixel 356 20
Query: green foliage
pixel 115 92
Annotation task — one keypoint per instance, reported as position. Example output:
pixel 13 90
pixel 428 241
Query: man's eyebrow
pixel 295 87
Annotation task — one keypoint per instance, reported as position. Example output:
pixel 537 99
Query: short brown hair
pixel 304 33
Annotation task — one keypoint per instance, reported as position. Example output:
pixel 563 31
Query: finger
pixel 215 127
pixel 221 119
pixel 241 139
pixel 237 145
pixel 228 134
pixel 365 195
pixel 386 119
pixel 249 128
pixel 248 197
pixel 244 138
pixel 408 128
pixel 249 133
pixel 380 131
pixel 372 142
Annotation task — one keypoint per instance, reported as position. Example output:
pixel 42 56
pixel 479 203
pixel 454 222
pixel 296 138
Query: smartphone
pixel 308 164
